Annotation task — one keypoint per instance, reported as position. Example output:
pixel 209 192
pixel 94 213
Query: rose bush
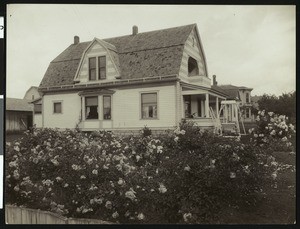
pixel 182 176
pixel 273 131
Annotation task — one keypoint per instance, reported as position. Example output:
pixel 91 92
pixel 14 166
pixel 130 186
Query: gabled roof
pixel 13 104
pixel 155 53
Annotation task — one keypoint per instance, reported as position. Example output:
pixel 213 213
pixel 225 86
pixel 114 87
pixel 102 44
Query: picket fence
pixel 20 215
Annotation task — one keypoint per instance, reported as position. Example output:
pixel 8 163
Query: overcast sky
pixel 251 46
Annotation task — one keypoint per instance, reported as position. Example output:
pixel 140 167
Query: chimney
pixel 76 40
pixel 135 30
pixel 214 80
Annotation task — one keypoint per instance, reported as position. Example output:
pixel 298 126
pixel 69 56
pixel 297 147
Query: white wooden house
pixel 152 79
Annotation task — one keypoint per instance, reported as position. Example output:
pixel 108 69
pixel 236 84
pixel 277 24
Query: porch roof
pixel 214 89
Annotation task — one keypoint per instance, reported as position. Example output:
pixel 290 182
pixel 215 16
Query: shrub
pixel 273 131
pixel 185 176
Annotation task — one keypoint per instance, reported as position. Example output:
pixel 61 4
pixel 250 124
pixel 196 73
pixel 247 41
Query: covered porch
pixel 201 106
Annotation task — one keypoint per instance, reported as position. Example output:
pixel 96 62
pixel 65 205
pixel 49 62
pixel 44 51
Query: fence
pixel 19 215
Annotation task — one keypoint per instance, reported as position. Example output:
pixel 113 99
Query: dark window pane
pixel 102 67
pixel 57 107
pixel 92 68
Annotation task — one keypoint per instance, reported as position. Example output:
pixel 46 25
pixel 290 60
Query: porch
pixel 202 108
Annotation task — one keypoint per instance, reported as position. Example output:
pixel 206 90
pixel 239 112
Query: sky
pixel 252 46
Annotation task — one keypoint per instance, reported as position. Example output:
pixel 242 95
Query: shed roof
pixel 155 53
pixel 13 104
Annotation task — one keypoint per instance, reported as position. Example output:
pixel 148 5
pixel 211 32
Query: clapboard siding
pixel 71 107
pixel 193 51
pixel 17 120
pixel 127 108
pixel 97 50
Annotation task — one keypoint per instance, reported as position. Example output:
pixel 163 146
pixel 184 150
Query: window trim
pixel 141 106
pixel 97 68
pixel 61 104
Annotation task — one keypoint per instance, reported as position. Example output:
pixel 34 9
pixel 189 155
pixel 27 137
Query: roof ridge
pixel 176 27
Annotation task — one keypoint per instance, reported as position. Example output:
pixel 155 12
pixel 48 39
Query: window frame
pixel 97 68
pixel 109 96
pixel 157 105
pixel 89 68
pixel 85 106
pixel 53 106
pixel 247 97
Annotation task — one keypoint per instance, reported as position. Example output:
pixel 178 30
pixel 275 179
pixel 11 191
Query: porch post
pixel 217 107
pixel 206 105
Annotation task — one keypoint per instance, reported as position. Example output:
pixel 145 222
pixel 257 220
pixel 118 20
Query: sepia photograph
pixel 150 114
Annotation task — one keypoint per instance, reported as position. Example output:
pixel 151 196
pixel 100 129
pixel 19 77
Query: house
pixel 32 93
pixel 152 79
pixel 18 115
pixel 243 96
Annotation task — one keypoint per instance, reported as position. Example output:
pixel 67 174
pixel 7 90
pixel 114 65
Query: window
pixel 247 98
pixel 97 67
pixel 32 97
pixel 37 108
pixel 91 107
pixel 102 67
pixel 149 105
pixel 57 108
pixel 92 68
pixel 192 67
pixel 248 113
pixel 106 107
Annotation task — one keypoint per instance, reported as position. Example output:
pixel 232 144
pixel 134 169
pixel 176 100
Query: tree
pixel 285 104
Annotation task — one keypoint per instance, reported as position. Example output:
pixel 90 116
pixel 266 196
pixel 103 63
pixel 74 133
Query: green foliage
pixel 185 176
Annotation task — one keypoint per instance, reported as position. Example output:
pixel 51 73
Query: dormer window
pixel 193 67
pixel 97 68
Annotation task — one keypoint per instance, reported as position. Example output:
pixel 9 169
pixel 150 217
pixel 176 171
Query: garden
pixel 185 175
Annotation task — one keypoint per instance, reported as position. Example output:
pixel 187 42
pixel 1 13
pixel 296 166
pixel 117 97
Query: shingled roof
pixel 155 53
pixel 13 104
